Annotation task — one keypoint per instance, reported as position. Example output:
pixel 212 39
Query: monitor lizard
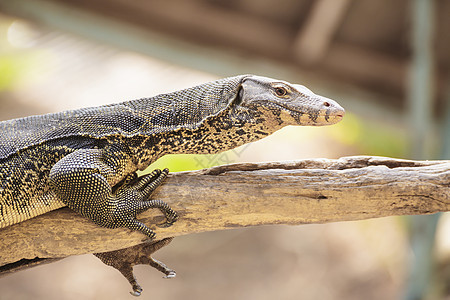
pixel 87 158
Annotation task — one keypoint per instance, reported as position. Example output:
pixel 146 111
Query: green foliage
pixel 16 62
pixel 12 69
pixel 188 162
pixel 370 137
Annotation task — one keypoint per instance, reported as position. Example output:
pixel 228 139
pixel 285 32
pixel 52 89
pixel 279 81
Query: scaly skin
pixel 77 158
pixel 87 159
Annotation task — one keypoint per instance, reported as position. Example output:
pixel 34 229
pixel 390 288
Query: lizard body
pixel 87 158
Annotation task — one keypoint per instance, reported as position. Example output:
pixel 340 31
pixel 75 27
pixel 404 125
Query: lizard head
pixel 281 103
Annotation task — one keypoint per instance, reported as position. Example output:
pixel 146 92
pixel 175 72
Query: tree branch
pixel 239 195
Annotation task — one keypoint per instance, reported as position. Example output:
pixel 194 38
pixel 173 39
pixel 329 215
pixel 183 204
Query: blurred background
pixel 387 62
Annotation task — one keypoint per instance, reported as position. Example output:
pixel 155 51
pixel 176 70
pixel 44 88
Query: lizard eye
pixel 280 92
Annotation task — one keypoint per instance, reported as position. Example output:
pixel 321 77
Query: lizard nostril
pixel 327 104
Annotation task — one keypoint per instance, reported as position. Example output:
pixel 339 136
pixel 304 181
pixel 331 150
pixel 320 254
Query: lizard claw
pixel 136 291
pixel 169 221
pixel 171 275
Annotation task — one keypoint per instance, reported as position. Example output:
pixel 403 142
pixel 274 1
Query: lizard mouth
pixel 322 117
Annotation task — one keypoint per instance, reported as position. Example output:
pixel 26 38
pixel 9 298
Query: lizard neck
pixel 214 135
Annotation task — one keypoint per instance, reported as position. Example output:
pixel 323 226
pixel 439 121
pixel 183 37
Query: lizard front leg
pixel 80 180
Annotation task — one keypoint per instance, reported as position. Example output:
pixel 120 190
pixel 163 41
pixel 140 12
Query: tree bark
pixel 250 194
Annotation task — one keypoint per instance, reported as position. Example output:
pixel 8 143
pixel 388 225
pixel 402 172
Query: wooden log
pixel 250 194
